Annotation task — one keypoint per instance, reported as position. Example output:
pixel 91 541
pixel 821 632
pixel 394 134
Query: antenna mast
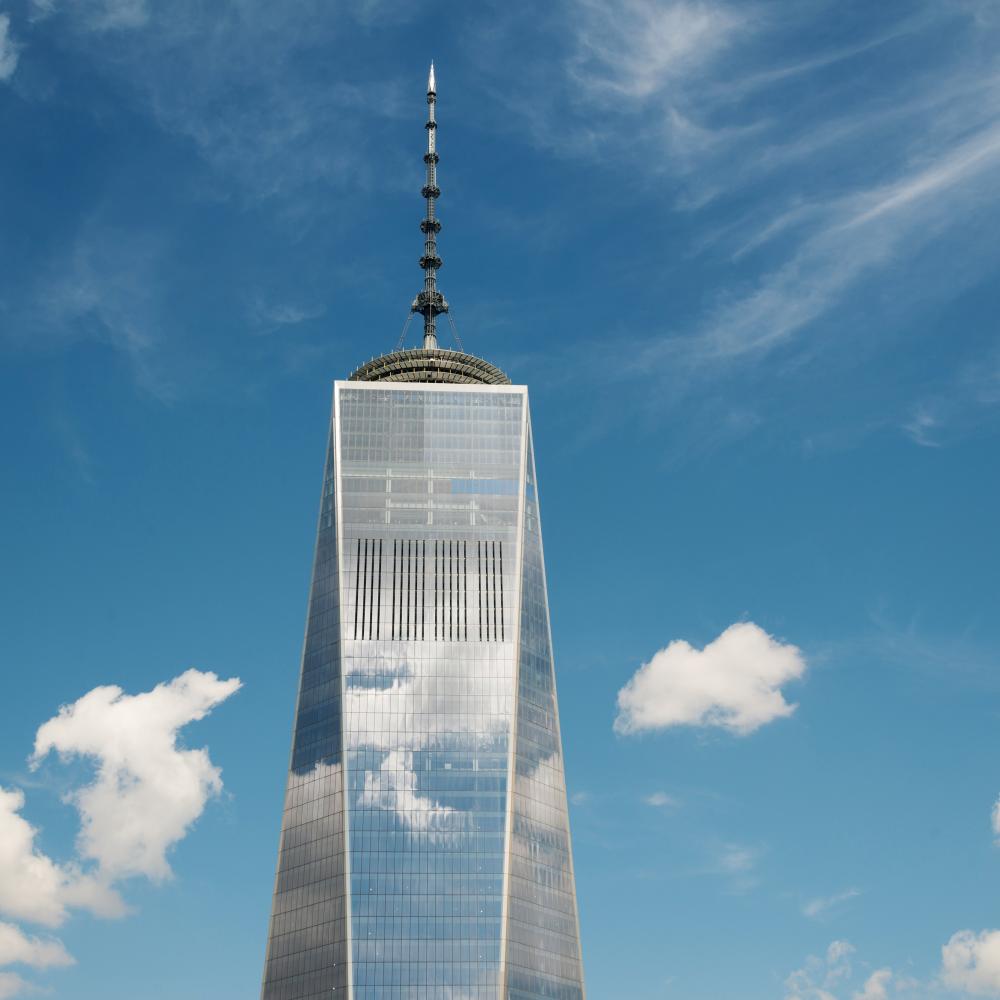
pixel 430 303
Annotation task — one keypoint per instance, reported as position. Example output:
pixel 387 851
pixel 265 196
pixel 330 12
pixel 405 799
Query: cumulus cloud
pixel 147 791
pixel 32 886
pixel 39 953
pixel 734 683
pixel 970 962
pixel 11 985
pixel 9 51
pixel 816 978
pixel 146 794
pixel 837 955
pixel 876 986
pixel 30 882
pixel 832 977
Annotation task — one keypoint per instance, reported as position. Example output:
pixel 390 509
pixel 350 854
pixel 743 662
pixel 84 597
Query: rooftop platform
pixel 433 364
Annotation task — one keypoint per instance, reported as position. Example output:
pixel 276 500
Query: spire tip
pixel 430 303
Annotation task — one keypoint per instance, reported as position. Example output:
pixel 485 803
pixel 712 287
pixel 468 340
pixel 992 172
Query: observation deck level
pixel 430 364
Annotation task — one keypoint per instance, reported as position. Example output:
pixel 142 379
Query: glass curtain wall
pixel 429 509
pixel 398 844
pixel 543 941
pixel 307 939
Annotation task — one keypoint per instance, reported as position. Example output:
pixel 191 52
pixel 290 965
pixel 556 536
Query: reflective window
pixel 416 708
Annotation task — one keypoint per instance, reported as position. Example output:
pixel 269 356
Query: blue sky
pixel 745 255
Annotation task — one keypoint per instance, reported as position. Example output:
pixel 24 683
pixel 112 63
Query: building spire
pixel 430 303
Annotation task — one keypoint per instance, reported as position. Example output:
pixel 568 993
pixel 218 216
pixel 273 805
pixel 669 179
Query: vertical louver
pixel 444 589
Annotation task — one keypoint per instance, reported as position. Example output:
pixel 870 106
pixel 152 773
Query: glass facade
pixel 425 849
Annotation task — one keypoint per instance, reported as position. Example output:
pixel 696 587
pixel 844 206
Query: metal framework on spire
pixel 430 363
pixel 430 303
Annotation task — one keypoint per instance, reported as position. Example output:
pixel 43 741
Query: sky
pixel 744 255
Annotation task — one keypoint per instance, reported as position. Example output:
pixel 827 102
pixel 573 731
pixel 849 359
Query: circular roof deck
pixel 430 365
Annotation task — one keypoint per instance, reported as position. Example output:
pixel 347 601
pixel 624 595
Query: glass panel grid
pixel 430 552
pixel 416 711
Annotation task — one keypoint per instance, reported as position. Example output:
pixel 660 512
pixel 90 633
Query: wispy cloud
pixel 632 71
pixel 67 433
pixel 823 904
pixel 847 208
pixel 920 426
pixel 253 104
pixel 858 234
pixel 970 398
pixel 105 286
pixel 737 865
pixel 660 800
pixel 10 51
pixel 635 49
pixel 267 316
pixel 966 659
pixel 735 859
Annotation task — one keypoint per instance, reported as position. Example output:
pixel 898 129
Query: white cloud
pixel 876 986
pixel 736 865
pixel 107 284
pixel 971 962
pixel 837 955
pixel 254 109
pixel 735 859
pixel 659 800
pixel 884 194
pixel 146 794
pixel 11 985
pixel 832 977
pixel 10 52
pixel 147 791
pixel 819 975
pixel 995 819
pixel 30 882
pixel 820 905
pixel 393 787
pixel 579 798
pixel 733 683
pixel 100 15
pixel 414 694
pixel 270 316
pixel 870 229
pixel 32 886
pixel 634 48
pixel 966 400
pixel 16 947
pixel 921 425
pixel 114 15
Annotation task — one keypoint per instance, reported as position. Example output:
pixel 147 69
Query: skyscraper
pixel 425 848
